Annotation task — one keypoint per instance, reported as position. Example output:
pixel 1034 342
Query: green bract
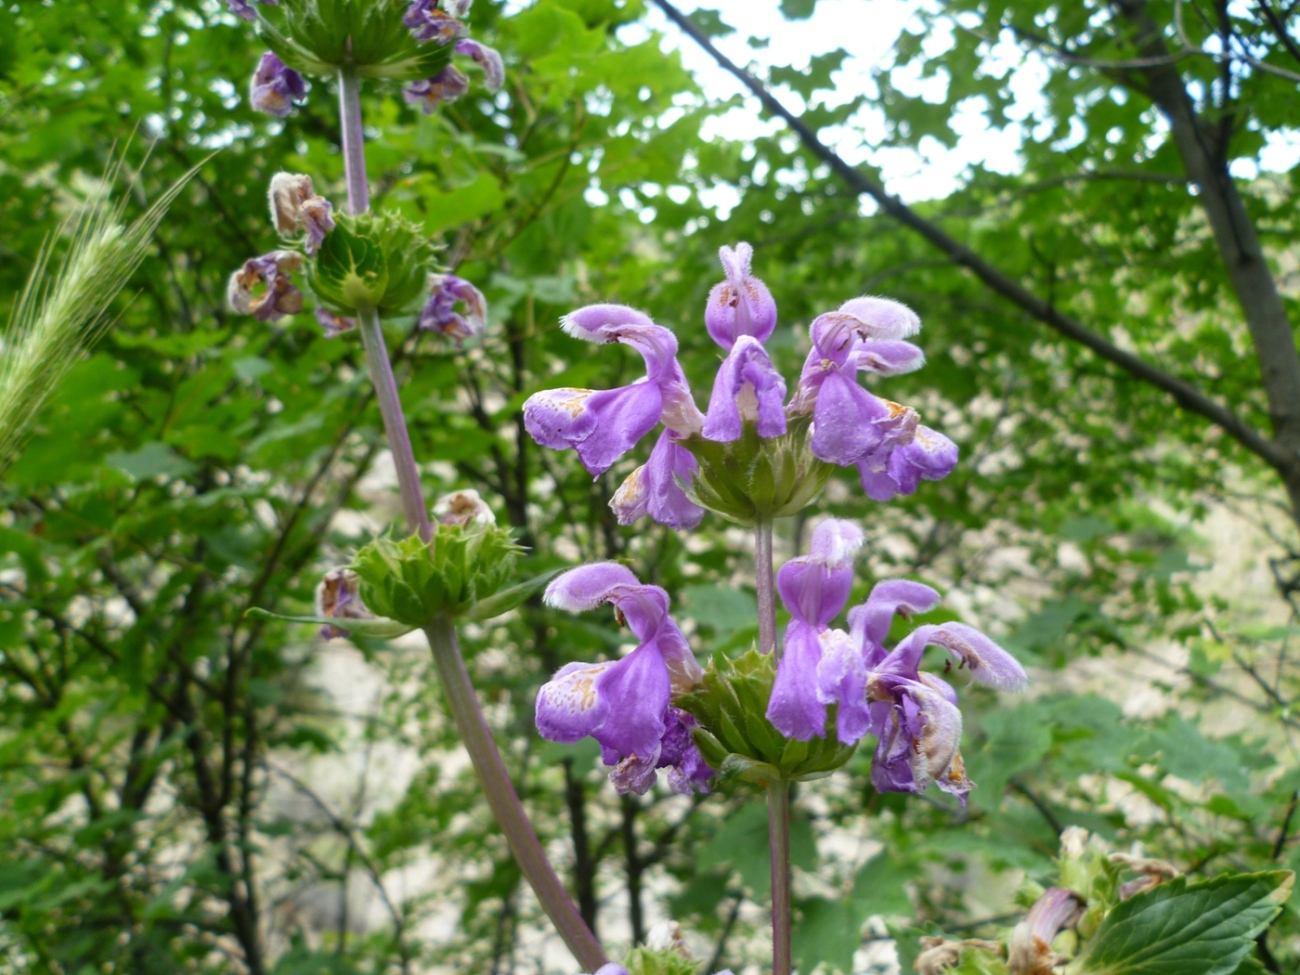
pixel 412 581
pixel 322 37
pixel 735 736
pixel 666 961
pixel 757 478
pixel 372 260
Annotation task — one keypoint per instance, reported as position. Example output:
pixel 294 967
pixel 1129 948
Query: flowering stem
pixel 504 801
pixel 778 841
pixel 764 580
pixel 474 731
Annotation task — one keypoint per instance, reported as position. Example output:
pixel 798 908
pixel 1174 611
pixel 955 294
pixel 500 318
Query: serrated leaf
pixel 1186 929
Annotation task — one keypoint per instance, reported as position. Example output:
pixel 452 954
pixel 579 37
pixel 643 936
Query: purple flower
pixel 913 714
pixel 494 69
pixel 655 488
pixel 626 705
pixel 747 387
pixel 814 588
pixel 240 8
pixel 430 23
pixel 439 312
pixel 446 86
pixel 603 425
pixel 275 86
pixel 334 325
pixel 338 597
pixel 850 423
pixel 740 305
pixel 895 470
pixel 279 299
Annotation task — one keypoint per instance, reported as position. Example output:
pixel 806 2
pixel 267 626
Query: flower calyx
pixel 735 735
pixel 375 261
pixel 756 478
pixel 454 573
pixel 367 37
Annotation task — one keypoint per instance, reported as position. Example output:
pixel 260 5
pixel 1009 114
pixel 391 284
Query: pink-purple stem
pixel 463 702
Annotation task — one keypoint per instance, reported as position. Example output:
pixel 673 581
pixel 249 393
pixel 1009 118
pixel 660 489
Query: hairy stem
pixel 354 139
pixel 372 332
pixel 399 440
pixel 502 799
pixel 765 582
pixel 474 731
pixel 778 841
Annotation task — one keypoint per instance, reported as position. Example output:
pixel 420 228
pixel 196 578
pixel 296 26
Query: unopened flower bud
pixel 296 206
pixel 439 312
pixel 1030 950
pixel 446 86
pixel 337 597
pixel 667 936
pixel 463 508
pixel 275 86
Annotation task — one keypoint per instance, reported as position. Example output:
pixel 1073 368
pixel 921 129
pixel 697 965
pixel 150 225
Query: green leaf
pixel 379 628
pixel 150 461
pixel 1186 929
pixel 507 599
pixel 797 9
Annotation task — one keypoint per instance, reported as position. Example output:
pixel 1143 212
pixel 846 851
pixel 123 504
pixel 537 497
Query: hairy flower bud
pixel 295 206
pixel 338 597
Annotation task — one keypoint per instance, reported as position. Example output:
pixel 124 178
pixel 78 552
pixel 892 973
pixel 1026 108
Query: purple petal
pixel 670 466
pixel 987 662
pixel 889 357
pixel 439 312
pixel 446 86
pixel 812 592
pixel 569 708
pixel 747 387
pixel 338 596
pixel 842 680
pixel 688 772
pixel 588 586
pixel 494 69
pixel 602 426
pixel 882 318
pixel 275 86
pixel 919 740
pixel 740 305
pixel 870 622
pixel 429 23
pixel 845 420
pixel 795 707
pixel 835 543
pixel 632 499
pixel 637 691
pixel 619 323
pixel 1030 946
pixel 334 325
pixel 930 456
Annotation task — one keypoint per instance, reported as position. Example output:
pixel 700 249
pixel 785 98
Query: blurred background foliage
pixel 184 789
